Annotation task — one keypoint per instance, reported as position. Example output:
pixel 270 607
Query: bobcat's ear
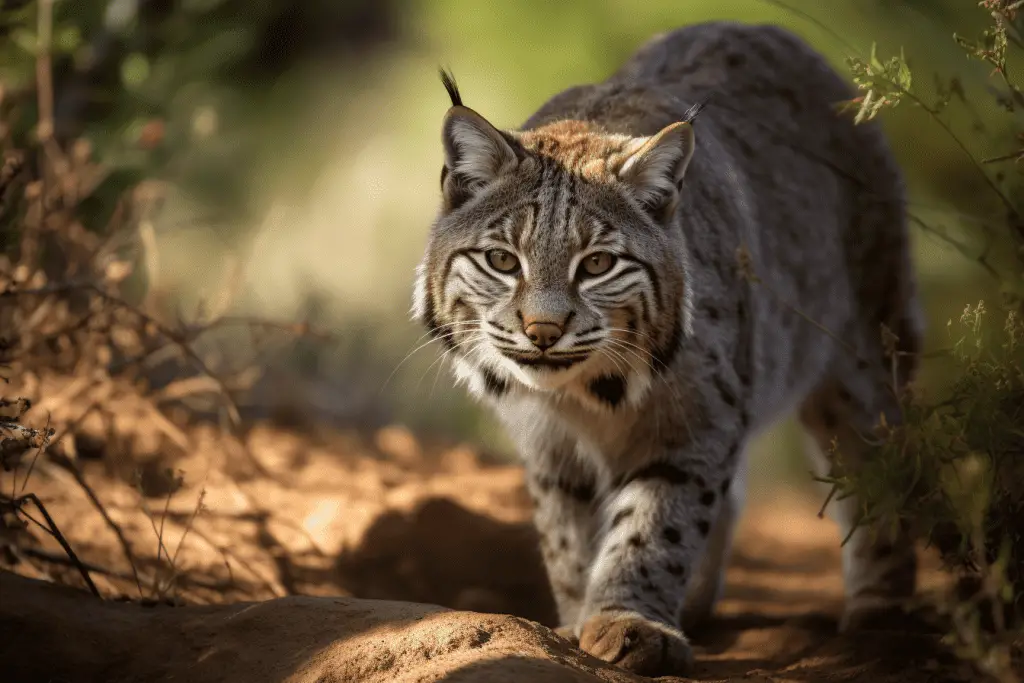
pixel 475 155
pixel 656 168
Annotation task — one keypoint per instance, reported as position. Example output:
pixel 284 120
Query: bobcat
pixel 637 293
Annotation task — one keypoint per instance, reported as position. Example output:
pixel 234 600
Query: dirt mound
pixel 362 522
pixel 54 633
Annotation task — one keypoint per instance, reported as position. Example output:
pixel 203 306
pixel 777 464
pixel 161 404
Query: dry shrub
pixel 952 470
pixel 112 375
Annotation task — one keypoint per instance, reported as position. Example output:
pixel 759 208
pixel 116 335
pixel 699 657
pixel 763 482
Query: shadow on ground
pixel 444 554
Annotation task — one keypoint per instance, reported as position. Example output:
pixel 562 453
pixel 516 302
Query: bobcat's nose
pixel 543 335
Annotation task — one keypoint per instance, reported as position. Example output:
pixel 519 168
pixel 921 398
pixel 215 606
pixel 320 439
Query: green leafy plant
pixel 953 468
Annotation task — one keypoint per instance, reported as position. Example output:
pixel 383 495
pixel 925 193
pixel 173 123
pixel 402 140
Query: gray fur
pixel 633 454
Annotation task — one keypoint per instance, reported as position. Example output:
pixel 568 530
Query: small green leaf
pixel 883 84
pixel 873 59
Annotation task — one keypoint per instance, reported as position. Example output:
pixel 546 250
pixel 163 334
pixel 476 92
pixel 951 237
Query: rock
pixel 56 633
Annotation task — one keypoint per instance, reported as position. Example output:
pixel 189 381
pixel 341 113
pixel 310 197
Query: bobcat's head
pixel 556 263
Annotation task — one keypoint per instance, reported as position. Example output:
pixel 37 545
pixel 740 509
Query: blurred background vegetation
pixel 295 146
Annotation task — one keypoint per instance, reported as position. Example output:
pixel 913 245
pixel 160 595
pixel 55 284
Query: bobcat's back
pixel 816 200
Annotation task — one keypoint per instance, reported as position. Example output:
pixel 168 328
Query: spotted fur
pixel 583 272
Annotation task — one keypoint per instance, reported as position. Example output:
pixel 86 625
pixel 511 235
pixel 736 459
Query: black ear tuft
pixel 448 80
pixel 694 111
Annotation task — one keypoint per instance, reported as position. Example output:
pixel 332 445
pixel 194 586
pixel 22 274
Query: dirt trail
pixel 384 518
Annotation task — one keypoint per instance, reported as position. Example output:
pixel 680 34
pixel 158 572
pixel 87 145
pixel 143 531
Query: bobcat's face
pixel 554 261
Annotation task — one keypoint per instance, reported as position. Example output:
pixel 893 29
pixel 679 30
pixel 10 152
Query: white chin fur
pixel 467 372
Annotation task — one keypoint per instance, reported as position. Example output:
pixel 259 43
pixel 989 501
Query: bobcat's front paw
pixel 636 643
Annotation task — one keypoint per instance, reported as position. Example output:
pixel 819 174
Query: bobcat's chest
pixel 606 440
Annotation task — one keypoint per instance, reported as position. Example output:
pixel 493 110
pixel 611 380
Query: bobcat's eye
pixel 596 264
pixel 502 261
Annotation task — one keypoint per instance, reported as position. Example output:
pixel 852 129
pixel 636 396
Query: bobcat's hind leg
pixel 879 565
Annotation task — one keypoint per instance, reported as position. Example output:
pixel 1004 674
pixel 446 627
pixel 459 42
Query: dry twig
pixel 15 505
pixel 126 547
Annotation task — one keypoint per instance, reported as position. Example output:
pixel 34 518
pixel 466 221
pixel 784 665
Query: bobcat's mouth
pixel 557 361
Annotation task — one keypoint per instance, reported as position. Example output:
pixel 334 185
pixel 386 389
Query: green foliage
pixel 197 94
pixel 884 83
pixel 887 84
pixel 953 467
pixel 952 471
pixel 941 459
pixel 994 41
